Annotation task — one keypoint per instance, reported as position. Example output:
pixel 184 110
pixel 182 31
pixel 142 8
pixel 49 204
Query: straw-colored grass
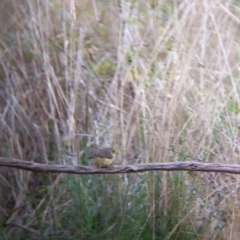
pixel 160 79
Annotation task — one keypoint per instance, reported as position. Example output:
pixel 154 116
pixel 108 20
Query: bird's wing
pixel 104 153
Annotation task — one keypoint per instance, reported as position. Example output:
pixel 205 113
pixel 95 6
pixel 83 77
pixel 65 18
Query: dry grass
pixel 158 78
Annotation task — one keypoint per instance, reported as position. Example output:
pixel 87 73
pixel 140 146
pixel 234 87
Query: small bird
pixel 103 157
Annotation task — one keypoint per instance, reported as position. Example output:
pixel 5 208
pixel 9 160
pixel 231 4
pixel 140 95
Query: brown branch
pixel 171 166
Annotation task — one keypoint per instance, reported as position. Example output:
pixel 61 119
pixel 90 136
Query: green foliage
pixel 100 210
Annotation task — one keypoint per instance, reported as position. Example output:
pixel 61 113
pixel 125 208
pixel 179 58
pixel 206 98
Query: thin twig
pixel 170 166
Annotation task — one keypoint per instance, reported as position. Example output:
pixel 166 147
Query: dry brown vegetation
pixel 158 78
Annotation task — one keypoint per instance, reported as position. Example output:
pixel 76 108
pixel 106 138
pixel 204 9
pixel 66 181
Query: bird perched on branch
pixel 103 157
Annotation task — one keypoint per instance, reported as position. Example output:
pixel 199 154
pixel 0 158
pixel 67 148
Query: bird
pixel 103 157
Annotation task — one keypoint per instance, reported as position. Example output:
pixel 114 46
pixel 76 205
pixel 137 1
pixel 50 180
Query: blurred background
pixel 160 79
